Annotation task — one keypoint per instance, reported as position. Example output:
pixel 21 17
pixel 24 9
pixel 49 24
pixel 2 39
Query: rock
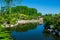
pixel 51 26
pixel 6 26
pixel 12 25
pixel 56 30
pixel 50 30
pixel 59 33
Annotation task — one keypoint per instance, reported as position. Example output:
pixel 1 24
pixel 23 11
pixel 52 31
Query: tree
pixel 9 4
pixel 39 14
pixel 24 10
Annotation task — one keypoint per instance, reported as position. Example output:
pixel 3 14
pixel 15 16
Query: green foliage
pixel 12 14
pixel 1 19
pixel 24 10
pixel 19 13
pixel 1 27
pixel 5 36
pixel 39 14
pixel 9 3
pixel 54 20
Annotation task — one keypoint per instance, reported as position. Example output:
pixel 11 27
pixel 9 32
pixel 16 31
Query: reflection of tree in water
pixel 47 35
pixel 5 34
pixel 26 27
pixel 56 37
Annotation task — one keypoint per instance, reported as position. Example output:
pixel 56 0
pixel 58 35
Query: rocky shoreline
pixel 22 22
pixel 52 31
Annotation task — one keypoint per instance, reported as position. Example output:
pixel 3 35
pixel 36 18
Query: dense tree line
pixel 52 19
pixel 18 12
pixel 24 10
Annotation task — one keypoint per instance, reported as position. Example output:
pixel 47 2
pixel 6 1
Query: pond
pixel 27 32
pixel 34 34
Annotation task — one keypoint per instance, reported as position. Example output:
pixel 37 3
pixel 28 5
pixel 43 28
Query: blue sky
pixel 43 6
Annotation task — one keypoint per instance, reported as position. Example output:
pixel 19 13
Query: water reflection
pixel 26 27
pixel 56 37
pixel 35 34
pixel 27 32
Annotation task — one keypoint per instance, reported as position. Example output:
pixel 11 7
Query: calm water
pixel 33 34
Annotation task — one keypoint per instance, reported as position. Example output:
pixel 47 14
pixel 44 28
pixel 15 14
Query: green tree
pixel 39 14
pixel 9 4
pixel 24 10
